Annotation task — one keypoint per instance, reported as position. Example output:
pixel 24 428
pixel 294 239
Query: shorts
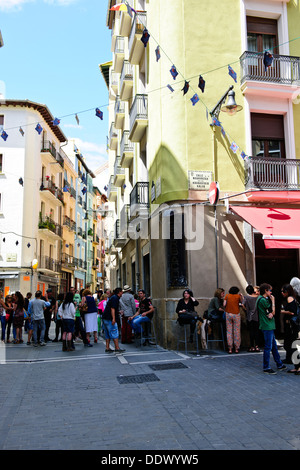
pixel 111 331
pixel 68 325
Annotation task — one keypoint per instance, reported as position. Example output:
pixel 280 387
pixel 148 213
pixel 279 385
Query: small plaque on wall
pixel 200 180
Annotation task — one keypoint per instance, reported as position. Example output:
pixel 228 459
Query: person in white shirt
pixel 67 312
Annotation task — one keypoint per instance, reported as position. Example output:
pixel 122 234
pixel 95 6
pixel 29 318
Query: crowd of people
pixel 78 317
pixel 258 304
pixel 83 316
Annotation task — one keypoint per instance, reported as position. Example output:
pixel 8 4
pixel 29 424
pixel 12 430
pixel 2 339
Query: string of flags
pixel 125 7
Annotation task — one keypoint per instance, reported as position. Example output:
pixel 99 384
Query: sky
pixel 51 55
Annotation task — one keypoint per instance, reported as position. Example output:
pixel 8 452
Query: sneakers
pixel 109 350
pixel 283 367
pixel 270 371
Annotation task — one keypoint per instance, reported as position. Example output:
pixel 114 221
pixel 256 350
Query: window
pixel 1 120
pixel 1 163
pixel 262 34
pixel 267 135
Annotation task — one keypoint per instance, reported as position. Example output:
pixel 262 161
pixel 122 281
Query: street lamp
pixel 231 108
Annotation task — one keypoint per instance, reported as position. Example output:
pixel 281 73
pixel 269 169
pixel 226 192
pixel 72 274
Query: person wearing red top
pixel 232 303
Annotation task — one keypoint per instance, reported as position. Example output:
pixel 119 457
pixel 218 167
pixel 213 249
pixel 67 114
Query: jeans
pixel 136 323
pixel 270 345
pixel 39 325
pixel 3 326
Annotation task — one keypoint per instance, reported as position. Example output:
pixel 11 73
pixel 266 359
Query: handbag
pixel 295 319
pixel 83 308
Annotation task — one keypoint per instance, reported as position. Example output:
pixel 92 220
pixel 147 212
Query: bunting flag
pixel 173 72
pixel 195 99
pixel 157 53
pixel 268 59
pixel 243 155
pixel 170 88
pixel 21 132
pixel 145 37
pixel 186 87
pixel 65 189
pixel 4 135
pixel 105 188
pixel 21 182
pixel 234 147
pixel 232 73
pixel 223 131
pixel 77 119
pixel 83 190
pixel 56 122
pixel 39 129
pixel 28 245
pixel 201 84
pixel 99 114
pixel 216 122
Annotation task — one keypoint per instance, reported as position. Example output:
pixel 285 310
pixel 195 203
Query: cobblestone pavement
pixel 146 399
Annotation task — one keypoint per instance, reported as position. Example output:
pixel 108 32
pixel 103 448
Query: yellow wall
pixel 180 137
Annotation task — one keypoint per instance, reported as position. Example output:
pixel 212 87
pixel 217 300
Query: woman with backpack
pixel 288 309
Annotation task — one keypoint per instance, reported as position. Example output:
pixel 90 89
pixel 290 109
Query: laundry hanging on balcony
pixel 268 59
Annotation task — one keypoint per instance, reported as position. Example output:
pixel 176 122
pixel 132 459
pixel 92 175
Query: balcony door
pixel 268 150
pixel 262 35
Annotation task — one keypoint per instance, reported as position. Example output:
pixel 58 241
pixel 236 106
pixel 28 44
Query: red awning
pixel 280 227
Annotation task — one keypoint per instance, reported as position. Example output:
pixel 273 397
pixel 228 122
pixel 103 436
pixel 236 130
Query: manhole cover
pixel 168 366
pixel 137 379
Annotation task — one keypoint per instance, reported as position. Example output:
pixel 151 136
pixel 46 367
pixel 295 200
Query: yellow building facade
pixel 165 151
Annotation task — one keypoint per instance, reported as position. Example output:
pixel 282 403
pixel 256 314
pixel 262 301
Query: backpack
pixel 295 319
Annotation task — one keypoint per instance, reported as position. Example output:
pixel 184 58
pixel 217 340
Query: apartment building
pixel 31 182
pixel 68 259
pixel 165 151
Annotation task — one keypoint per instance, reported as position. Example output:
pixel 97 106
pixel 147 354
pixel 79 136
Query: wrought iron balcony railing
pixel 272 173
pixel 284 69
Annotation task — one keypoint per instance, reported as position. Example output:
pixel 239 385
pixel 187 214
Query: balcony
pixel 119 113
pixel 138 118
pixel 114 82
pixel 124 220
pixel 126 150
pixel 48 263
pixel 125 23
pixel 119 173
pixel 113 137
pixel 126 81
pixel 52 192
pixel 50 155
pixel 278 177
pixel 112 191
pixel 282 77
pixel 48 224
pixel 68 261
pixel 119 242
pixel 135 45
pixel 139 199
pixel 119 54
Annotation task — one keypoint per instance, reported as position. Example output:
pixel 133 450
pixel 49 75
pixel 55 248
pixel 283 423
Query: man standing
pixel 36 311
pixel 109 319
pixel 49 311
pixel 143 315
pixel 127 309
pixel 265 305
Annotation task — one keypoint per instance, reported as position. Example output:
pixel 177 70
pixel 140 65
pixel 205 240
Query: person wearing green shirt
pixel 265 305
pixel 79 328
